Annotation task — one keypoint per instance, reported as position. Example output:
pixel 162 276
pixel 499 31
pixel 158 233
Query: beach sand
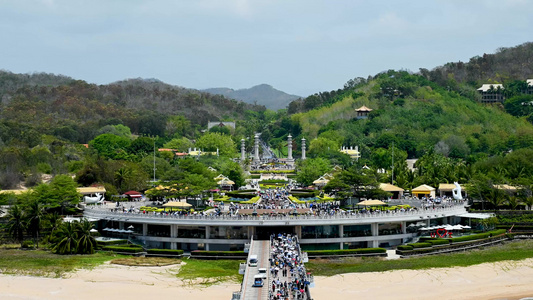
pixel 501 280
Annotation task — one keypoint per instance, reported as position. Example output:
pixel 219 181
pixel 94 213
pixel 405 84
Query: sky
pixel 298 46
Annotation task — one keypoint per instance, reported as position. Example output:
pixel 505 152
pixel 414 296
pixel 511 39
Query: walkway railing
pixel 423 213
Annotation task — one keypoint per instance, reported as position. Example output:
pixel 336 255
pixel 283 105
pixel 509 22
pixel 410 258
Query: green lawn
pixel 44 263
pixel 509 251
pixel 210 271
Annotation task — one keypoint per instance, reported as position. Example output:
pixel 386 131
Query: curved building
pixel 224 233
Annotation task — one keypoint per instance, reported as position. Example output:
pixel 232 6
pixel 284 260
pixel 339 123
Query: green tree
pixel 34 214
pixel 180 144
pixel 311 169
pixel 321 145
pixel 211 141
pixel 111 146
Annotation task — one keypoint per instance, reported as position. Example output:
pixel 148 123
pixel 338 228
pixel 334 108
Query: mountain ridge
pixel 261 94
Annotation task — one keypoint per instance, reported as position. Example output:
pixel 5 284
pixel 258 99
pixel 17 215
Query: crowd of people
pixel 289 277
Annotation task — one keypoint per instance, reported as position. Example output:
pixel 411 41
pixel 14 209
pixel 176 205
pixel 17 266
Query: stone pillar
pixel 404 227
pixel 243 153
pixel 145 229
pixel 303 148
pixel 256 148
pixel 289 147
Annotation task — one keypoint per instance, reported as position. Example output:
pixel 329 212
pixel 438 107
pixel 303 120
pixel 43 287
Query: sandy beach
pixel 503 280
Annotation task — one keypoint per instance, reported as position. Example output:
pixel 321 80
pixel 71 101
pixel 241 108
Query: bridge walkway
pixel 248 291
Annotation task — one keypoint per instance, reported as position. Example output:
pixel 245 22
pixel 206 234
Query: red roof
pixel 133 194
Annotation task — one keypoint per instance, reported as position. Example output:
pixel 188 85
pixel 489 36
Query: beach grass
pixel 47 264
pixel 208 272
pixel 516 250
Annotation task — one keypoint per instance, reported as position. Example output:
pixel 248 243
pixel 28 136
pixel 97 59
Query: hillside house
pixel 491 93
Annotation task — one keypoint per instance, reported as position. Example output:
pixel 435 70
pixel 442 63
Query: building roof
pixel 321 181
pixel 486 87
pixel 387 187
pixel 16 192
pixel 91 190
pixel 505 187
pixel 447 186
pixel 364 108
pixel 423 188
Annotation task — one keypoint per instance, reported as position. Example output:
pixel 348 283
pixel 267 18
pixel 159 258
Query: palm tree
pixel 65 239
pixel 54 221
pixel 86 242
pixel 16 224
pixel 496 197
pixel 34 215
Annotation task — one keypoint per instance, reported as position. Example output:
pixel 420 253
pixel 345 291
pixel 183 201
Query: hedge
pixel 345 251
pixel 165 251
pixel 420 245
pixel 111 242
pixel 217 253
pixel 129 248
pixel 405 247
pixel 438 241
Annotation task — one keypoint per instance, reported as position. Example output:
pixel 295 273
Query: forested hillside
pixel 75 110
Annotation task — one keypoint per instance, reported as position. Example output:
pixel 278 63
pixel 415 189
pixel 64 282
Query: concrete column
pixel 341 231
pixel 375 229
pixel 174 246
pixel 145 229
pixel 303 148
pixel 374 244
pixel 207 229
pixel 173 230
pixel 404 227
pixel 289 147
pixel 121 225
pixel 341 245
pixel 298 231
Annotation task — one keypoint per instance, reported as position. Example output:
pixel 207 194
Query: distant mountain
pixel 262 94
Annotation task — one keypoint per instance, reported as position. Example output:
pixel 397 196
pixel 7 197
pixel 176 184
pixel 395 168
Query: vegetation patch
pixel 45 263
pixel 146 261
pixel 208 272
